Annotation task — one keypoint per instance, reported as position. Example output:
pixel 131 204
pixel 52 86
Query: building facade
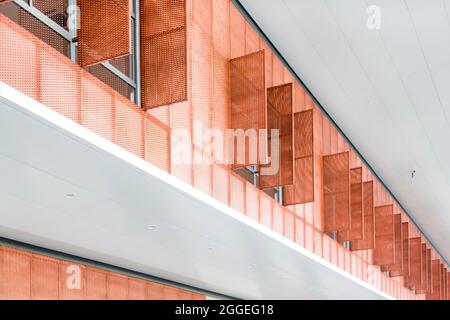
pixel 193 88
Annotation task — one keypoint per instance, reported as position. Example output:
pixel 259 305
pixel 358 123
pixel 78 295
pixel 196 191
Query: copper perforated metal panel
pixel 302 191
pixel 429 272
pixel 355 232
pixel 415 263
pixel 44 278
pixel 445 289
pixel 397 267
pixel 70 286
pixel 368 241
pixel 105 30
pixel 436 280
pixel 423 284
pixel 383 253
pixel 279 117
pixel 448 285
pixel 5 1
pixel 95 284
pixel 248 105
pixel 404 254
pixel 137 289
pixel 15 274
pixel 55 10
pixel 336 192
pixel 163 52
pixel 116 287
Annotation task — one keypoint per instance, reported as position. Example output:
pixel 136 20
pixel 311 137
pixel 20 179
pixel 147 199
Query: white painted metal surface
pixel 66 189
pixel 388 89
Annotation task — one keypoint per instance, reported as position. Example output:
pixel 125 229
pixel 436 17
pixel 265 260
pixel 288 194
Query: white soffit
pixel 388 89
pixel 118 196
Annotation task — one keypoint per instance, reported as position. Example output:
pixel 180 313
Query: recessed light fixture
pixel 152 227
pixel 210 248
pixel 70 195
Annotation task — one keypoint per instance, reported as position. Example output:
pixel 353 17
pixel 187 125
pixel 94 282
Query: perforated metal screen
pixel 424 278
pixel 436 280
pixel 27 275
pixel 368 241
pixel 355 232
pixel 384 250
pixel 105 30
pixel 279 117
pixel 336 192
pixel 397 267
pixel 163 52
pixel 302 191
pixel 248 105
pixel 415 262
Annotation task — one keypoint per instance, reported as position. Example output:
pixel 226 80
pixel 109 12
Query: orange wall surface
pixel 25 275
pixel 216 32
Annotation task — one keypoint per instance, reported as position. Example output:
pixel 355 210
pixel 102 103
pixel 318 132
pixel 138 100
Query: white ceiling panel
pixel 388 89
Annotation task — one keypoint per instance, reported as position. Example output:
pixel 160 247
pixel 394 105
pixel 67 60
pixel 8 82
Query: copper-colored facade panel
pixel 302 191
pixel 5 1
pixel 105 30
pixel 163 52
pixel 397 267
pixel 444 283
pixel 404 253
pixel 15 272
pixel 368 241
pixel 336 192
pixel 355 232
pixel 448 285
pixel 116 287
pixel 415 263
pixel 383 253
pixel 279 117
pixel 436 280
pixel 429 272
pixel 248 105
pixel 44 278
pixel 424 278
pixel 95 284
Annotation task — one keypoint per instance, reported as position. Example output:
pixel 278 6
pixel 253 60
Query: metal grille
pixel 336 192
pixel 401 266
pixel 27 276
pixel 54 9
pixel 397 266
pixel 383 253
pixel 248 106
pixel 15 274
pixel 448 285
pixel 429 272
pixel 415 262
pixel 279 117
pixel 163 52
pixel 105 30
pixel 424 278
pixel 35 26
pixel 302 191
pixel 355 232
pixel 107 77
pixel 57 82
pixel 436 279
pixel 368 240
pixel 44 278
